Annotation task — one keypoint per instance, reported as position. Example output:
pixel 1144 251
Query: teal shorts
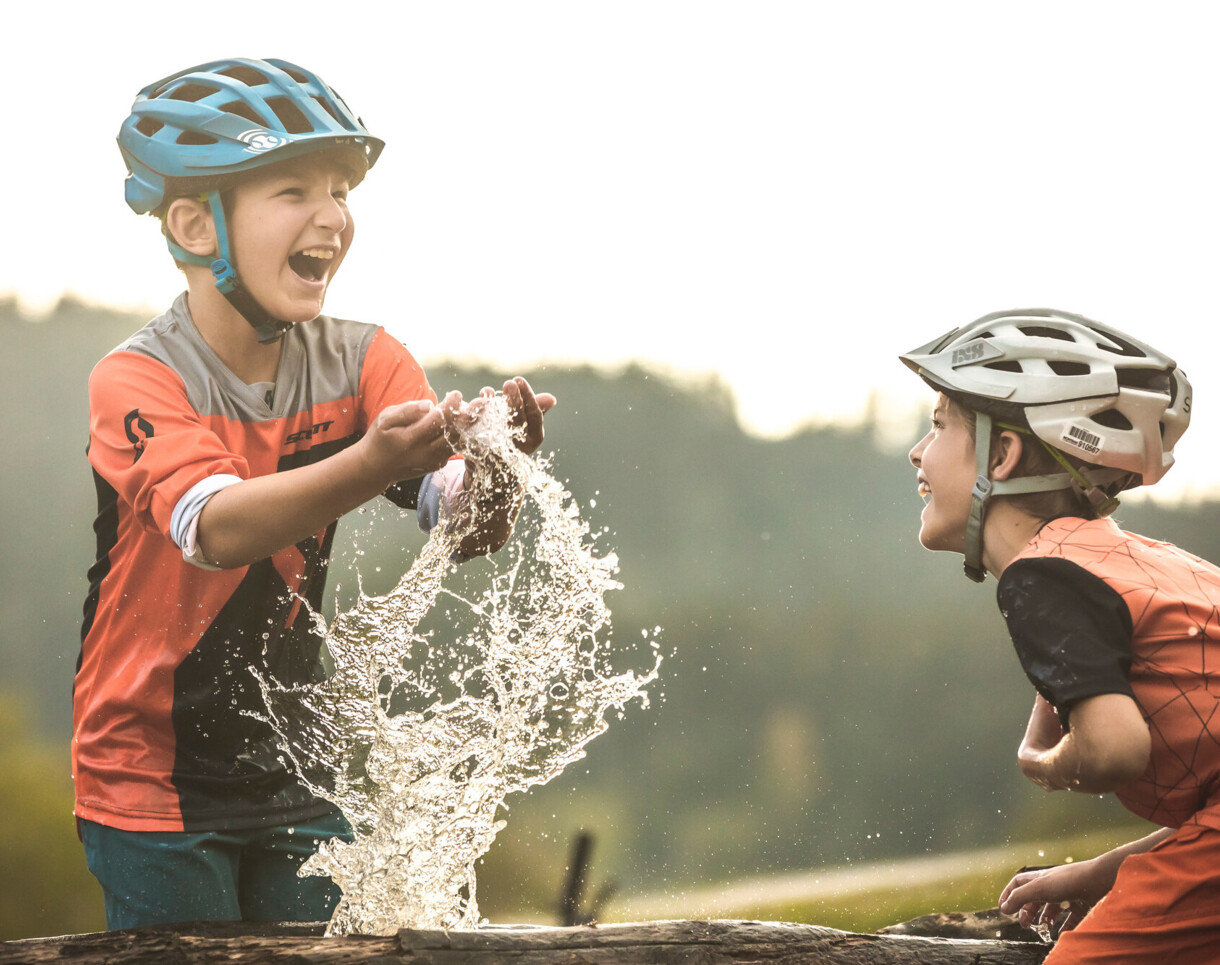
pixel 154 877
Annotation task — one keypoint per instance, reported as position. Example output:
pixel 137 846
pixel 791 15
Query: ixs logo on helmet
pixel 258 141
pixel 978 350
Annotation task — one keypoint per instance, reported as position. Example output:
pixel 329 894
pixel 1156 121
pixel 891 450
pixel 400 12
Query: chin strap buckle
pixel 973 563
pixel 266 328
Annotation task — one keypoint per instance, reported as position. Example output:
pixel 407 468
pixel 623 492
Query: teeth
pixel 326 254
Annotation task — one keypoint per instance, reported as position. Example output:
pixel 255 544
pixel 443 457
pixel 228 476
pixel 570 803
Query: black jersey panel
pixel 229 770
pixel 106 531
pixel 1071 630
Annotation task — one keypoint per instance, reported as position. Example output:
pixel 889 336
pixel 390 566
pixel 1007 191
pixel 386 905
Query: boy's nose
pixel 916 453
pixel 331 215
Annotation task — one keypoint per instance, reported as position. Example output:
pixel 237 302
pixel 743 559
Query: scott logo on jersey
pixel 133 423
pixel 308 433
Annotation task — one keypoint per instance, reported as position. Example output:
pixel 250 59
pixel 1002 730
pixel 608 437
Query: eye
pixel 294 192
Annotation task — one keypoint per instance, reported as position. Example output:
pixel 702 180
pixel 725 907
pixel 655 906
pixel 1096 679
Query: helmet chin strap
pixel 266 328
pixel 985 488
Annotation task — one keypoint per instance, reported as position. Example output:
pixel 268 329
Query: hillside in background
pixel 831 692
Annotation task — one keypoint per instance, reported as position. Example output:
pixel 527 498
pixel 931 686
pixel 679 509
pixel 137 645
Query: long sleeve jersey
pixel 164 691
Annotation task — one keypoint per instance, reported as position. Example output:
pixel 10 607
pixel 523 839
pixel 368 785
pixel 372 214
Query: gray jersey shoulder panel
pixel 320 362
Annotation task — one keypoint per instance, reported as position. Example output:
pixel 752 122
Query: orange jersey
pixel 1173 600
pixel 162 740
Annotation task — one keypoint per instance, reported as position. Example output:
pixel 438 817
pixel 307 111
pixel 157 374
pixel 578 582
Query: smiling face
pixel 946 468
pixel 290 229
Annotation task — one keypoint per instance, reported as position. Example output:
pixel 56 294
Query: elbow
pixel 221 553
pixel 1108 769
pixel 224 560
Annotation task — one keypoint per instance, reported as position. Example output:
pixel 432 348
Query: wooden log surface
pixel 644 943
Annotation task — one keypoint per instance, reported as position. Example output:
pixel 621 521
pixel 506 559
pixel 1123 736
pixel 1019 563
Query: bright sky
pixel 786 193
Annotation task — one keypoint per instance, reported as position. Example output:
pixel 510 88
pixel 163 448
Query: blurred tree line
pixel 831 692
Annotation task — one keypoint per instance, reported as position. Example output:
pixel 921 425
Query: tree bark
pixel 645 943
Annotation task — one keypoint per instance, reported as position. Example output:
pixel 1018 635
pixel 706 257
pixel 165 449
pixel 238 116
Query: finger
pixel 452 401
pixel 1010 901
pixel 543 400
pixel 528 405
pixel 433 455
pixel 451 408
pixel 512 392
pixel 404 414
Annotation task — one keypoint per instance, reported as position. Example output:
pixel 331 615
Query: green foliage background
pixel 831 692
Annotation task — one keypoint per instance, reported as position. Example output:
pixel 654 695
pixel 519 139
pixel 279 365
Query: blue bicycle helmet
pixel 221 118
pixel 229 116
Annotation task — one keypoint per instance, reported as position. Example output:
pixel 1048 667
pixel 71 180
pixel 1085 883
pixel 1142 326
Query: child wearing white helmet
pixel 226 438
pixel 1042 419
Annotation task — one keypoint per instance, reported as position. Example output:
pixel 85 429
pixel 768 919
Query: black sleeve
pixel 1071 630
pixel 405 494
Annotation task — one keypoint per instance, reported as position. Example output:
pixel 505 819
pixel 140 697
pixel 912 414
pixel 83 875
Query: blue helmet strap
pixel 266 328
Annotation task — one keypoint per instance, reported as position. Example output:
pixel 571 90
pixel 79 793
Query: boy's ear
pixel 189 222
pixel 1006 453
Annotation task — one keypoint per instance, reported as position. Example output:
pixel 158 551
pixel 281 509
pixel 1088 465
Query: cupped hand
pixel 1040 898
pixel 527 410
pixel 408 440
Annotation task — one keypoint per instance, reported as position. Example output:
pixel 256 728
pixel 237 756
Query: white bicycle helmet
pixel 1081 387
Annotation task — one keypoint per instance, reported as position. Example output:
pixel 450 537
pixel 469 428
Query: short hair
pixel 1035 460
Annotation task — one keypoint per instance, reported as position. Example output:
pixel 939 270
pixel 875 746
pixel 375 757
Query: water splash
pixel 419 741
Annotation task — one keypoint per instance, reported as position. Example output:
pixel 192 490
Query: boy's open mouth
pixel 312 263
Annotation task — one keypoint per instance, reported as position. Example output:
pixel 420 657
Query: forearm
pixel 1110 861
pixel 1032 893
pixel 1107 747
pixel 489 515
pixel 257 517
pixel 1066 768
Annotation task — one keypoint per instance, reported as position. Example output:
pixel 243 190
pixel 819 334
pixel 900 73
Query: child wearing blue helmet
pixel 226 437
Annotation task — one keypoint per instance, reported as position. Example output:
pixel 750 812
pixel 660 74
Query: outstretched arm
pixel 252 519
pixel 1108 745
pixel 1038 897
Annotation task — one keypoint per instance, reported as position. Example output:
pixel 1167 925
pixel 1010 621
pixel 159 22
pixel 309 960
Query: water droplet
pixel 422 737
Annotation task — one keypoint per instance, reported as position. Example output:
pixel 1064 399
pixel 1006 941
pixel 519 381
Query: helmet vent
pixel 194 138
pixel 191 92
pixel 1060 367
pixel 290 115
pixel 247 75
pixel 298 76
pixel 1006 366
pixel 1045 331
pixel 1124 347
pixel 1113 419
pixel 242 109
pixel 1150 380
pixel 331 111
pixel 148 126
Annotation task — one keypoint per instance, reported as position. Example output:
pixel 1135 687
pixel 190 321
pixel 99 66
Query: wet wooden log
pixel 644 943
pixel 990 923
